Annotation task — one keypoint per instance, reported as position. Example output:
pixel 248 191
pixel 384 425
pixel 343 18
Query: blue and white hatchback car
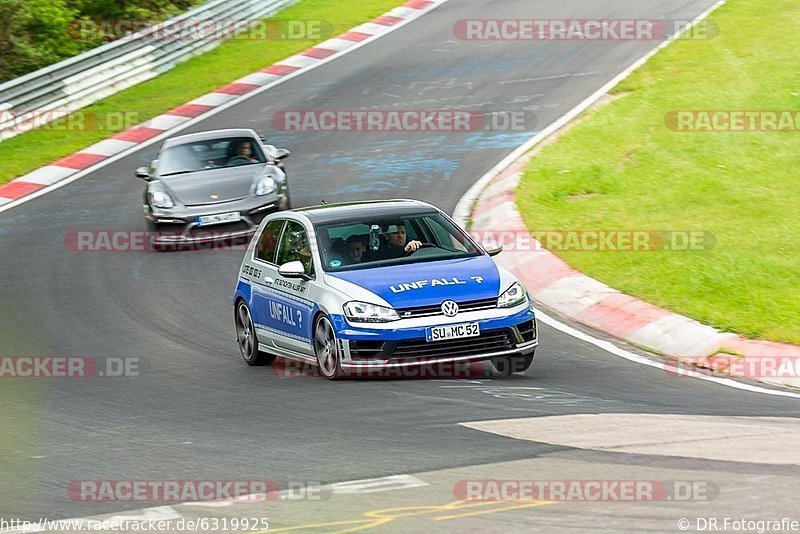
pixel 378 285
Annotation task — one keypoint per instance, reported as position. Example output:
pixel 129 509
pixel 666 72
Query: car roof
pixel 396 208
pixel 210 134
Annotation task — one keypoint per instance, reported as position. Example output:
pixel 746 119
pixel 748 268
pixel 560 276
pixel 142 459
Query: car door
pixel 263 263
pixel 287 308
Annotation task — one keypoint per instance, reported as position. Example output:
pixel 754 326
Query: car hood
pixel 429 283
pixel 202 187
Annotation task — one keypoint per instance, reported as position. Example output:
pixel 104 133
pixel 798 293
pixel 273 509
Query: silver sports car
pixel 212 186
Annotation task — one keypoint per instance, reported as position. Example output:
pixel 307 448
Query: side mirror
pixel 143 173
pixel 293 269
pixel 495 251
pixel 281 153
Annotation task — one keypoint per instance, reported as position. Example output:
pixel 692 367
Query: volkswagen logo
pixel 449 308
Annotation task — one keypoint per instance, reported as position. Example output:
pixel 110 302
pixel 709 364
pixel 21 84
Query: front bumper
pixel 503 333
pixel 189 237
pixel 178 225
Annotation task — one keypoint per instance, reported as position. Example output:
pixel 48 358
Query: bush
pixel 37 33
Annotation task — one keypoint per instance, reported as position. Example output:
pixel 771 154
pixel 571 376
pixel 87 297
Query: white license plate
pixel 452 331
pixel 220 218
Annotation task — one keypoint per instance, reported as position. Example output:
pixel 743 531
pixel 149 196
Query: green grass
pixel 196 77
pixel 620 167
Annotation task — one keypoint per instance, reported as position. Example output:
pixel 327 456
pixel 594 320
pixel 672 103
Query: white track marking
pixel 158 513
pixel 636 358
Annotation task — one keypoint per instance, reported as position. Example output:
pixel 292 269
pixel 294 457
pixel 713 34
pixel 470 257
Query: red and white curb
pixel 73 166
pixel 554 284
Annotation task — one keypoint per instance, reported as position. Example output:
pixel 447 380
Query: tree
pixel 33 34
pixel 37 33
pixel 131 9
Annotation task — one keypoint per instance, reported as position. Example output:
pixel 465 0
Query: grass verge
pixel 622 168
pixel 196 77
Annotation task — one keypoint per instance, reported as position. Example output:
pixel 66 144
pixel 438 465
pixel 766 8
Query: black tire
pixel 508 365
pixel 326 349
pixel 246 337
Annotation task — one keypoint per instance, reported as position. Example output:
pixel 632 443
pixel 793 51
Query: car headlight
pixel 513 296
pixel 362 312
pixel 160 198
pixel 266 184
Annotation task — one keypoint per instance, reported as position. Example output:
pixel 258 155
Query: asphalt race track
pixel 198 412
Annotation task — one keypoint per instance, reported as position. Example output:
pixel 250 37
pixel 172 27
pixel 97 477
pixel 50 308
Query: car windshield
pixel 210 154
pixel 380 242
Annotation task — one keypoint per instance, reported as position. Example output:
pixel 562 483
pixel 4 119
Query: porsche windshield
pixel 210 154
pixel 375 243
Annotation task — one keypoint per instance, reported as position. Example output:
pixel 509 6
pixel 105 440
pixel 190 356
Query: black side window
pixel 268 241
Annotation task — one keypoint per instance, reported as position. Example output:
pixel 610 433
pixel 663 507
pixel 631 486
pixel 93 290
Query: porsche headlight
pixel 513 296
pixel 362 312
pixel 266 184
pixel 160 198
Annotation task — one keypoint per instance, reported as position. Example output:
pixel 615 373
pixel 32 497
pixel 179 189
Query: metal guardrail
pixel 56 90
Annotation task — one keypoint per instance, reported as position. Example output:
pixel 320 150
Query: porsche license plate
pixel 452 331
pixel 220 218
